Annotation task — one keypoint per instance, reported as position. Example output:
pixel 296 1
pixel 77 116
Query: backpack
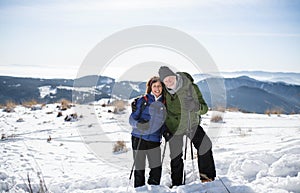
pixel 188 76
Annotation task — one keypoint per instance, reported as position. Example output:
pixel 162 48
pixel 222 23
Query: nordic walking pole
pixel 184 165
pixel 133 165
pixel 205 177
pixel 191 144
pixel 192 157
pixel 164 152
pixel 224 184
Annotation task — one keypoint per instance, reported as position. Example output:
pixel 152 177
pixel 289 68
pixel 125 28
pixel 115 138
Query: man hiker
pixel 184 105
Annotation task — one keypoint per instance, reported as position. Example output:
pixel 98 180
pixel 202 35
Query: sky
pixel 51 39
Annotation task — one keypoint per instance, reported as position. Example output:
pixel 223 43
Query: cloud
pixel 120 5
pixel 249 34
pixel 38 71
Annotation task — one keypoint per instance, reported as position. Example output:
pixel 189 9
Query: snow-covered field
pixel 253 153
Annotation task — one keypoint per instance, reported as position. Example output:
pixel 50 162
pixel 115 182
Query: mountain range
pixel 243 93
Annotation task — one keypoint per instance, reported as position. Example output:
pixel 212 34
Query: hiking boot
pixel 206 180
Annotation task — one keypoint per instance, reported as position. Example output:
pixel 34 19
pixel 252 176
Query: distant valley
pixel 258 92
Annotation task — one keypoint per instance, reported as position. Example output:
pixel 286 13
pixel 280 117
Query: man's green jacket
pixel 177 120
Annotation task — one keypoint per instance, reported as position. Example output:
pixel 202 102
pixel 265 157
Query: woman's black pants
pixel 143 149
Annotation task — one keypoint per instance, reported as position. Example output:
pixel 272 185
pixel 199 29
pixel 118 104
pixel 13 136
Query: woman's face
pixel 170 82
pixel 156 88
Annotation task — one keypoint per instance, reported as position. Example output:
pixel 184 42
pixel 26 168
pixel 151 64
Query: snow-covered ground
pixel 253 153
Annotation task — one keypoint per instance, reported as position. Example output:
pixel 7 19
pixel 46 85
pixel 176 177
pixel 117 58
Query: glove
pixel 167 135
pixel 189 103
pixel 143 125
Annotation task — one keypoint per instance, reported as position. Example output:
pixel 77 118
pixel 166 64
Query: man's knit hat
pixel 164 71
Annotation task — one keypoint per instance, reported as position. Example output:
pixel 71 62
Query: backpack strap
pixel 143 105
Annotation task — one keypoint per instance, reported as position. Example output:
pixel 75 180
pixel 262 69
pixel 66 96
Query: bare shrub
pixel 116 110
pixel 268 112
pixel 65 104
pixel 216 119
pixel 219 108
pixel 41 188
pixel 119 105
pixel 29 104
pixel 9 106
pixel 233 109
pixel 120 146
pixel 274 111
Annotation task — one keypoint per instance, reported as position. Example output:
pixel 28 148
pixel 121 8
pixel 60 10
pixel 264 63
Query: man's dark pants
pixel 203 145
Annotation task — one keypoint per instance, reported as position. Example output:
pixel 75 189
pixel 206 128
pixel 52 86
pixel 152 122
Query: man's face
pixel 170 82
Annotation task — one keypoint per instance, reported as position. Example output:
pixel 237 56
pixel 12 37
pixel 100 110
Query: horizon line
pixel 70 78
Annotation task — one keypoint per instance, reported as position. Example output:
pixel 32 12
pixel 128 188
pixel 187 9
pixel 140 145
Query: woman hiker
pixel 148 125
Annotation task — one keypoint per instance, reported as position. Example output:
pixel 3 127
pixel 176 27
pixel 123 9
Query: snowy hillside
pixel 253 153
pixel 285 77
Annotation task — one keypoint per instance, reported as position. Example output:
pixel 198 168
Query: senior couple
pixel 170 108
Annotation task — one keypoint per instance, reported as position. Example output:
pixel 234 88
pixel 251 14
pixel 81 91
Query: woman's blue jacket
pixel 155 112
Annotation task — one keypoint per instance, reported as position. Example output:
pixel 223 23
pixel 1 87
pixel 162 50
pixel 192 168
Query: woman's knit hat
pixel 164 71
